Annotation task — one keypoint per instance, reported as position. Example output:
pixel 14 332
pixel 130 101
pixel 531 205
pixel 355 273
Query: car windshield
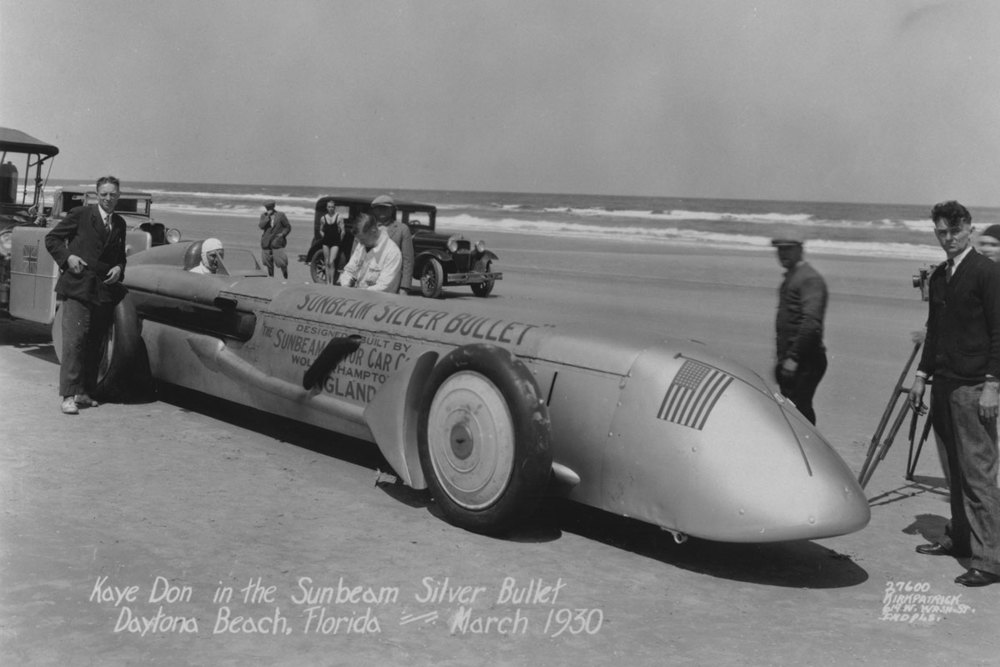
pixel 241 261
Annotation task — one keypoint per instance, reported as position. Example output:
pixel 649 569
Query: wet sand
pixel 210 499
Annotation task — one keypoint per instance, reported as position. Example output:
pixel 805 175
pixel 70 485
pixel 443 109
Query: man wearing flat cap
pixel 384 212
pixel 801 360
pixel 273 240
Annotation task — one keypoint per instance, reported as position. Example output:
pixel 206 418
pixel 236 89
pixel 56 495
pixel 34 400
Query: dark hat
pixel 383 200
pixel 269 203
pixel 992 230
pixel 788 239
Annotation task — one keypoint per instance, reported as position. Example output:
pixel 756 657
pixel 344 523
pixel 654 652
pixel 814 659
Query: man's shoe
pixel 976 577
pixel 84 401
pixel 935 549
pixel 69 406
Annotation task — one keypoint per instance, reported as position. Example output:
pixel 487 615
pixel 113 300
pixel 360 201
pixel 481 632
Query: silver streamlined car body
pixel 490 412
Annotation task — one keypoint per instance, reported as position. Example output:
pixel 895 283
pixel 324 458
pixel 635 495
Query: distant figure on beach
pixel 801 356
pixel 988 243
pixel 375 262
pixel 89 247
pixel 273 240
pixel 333 231
pixel 212 254
pixel 384 210
pixel 962 356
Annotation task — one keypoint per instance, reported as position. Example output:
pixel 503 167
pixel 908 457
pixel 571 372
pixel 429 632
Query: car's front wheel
pixel 432 279
pixel 484 438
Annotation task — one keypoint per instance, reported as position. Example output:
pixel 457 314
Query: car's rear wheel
pixel 484 288
pixel 317 267
pixel 432 279
pixel 484 439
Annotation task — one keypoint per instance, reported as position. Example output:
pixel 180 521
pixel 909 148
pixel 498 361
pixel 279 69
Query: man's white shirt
pixel 377 269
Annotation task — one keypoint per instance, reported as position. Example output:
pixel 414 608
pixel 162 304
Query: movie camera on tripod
pixel 879 447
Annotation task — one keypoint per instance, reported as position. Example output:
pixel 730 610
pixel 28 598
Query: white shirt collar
pixel 961 256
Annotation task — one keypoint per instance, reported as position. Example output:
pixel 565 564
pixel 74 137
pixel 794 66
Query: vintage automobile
pixel 490 412
pixel 22 205
pixel 439 260
pixel 20 200
pixel 135 207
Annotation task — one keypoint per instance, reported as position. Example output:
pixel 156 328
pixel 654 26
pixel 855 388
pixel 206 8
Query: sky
pixel 895 101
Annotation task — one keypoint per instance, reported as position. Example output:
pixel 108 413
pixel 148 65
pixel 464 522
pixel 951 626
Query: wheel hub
pixel 470 437
pixel 462 442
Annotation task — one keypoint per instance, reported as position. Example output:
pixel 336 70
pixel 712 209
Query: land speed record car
pixel 492 412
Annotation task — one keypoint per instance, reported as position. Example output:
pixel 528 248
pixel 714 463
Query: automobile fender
pixel 314 247
pixel 490 255
pixel 438 254
pixel 393 416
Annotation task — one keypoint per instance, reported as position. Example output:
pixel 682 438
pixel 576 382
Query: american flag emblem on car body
pixel 693 394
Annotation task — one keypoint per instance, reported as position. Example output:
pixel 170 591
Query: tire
pixel 432 279
pixel 484 439
pixel 484 288
pixel 317 267
pixel 123 373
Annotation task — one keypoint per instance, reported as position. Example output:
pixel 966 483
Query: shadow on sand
pixel 800 564
pixel 30 337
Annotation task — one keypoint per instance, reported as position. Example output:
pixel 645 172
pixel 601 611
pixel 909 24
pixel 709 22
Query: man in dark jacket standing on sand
pixel 962 355
pixel 89 247
pixel 802 298
pixel 273 240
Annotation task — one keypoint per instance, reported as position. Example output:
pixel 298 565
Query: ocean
pixel 840 228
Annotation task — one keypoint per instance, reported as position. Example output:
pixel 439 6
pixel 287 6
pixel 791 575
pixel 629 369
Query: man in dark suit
pixel 89 247
pixel 962 355
pixel 273 239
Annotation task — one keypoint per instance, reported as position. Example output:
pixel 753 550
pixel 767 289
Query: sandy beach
pixel 102 511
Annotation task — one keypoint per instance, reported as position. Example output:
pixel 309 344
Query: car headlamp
pixel 453 244
pixel 173 235
pixel 480 247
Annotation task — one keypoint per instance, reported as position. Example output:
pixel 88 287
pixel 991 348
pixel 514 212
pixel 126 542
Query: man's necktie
pixel 951 270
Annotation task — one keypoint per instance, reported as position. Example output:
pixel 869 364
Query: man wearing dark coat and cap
pixel 801 356
pixel 273 239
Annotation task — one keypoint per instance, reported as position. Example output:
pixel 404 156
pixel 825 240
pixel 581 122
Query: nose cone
pixel 739 466
pixel 808 491
pixel 839 505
